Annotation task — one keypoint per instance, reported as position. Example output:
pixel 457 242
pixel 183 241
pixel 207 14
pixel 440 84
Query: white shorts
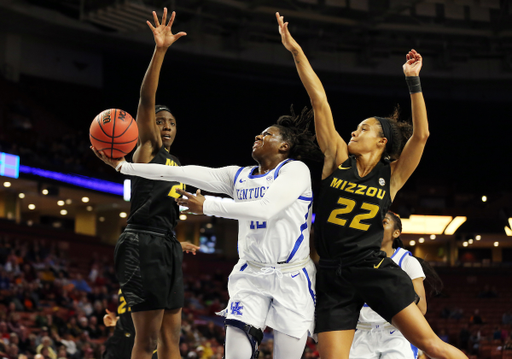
pixel 381 343
pixel 284 300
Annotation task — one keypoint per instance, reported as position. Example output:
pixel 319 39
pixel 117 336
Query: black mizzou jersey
pixel 124 324
pixel 153 202
pixel 348 222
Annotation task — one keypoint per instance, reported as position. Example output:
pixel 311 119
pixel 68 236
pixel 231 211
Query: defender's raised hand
pixel 413 63
pixel 163 33
pixel 288 41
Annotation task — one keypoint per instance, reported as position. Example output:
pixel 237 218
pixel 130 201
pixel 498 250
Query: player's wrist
pixel 119 165
pixel 414 84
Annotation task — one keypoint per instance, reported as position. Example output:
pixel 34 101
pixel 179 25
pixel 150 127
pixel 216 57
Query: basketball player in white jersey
pixel 273 282
pixel 375 338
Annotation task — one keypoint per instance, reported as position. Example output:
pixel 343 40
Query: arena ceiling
pixel 365 33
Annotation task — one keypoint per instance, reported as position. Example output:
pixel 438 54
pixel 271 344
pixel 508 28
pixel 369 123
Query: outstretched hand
pixel 162 33
pixel 193 202
pixel 288 41
pixel 113 162
pixel 188 247
pixel 413 63
pixel 109 319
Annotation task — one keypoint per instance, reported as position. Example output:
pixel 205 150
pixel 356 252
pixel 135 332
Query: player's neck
pixel 267 165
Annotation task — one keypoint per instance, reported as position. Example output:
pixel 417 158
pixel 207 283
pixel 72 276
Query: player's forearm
pixel 216 180
pixel 151 78
pixel 309 78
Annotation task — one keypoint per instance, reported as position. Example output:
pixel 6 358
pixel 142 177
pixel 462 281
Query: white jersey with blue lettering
pixel 375 337
pixel 283 237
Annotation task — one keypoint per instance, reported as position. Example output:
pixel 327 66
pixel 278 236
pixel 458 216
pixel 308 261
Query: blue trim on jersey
pixel 243 267
pixel 414 351
pixel 401 259
pixel 299 240
pixel 304 198
pixel 237 174
pixel 276 172
pixel 256 176
pixel 396 251
pixel 309 286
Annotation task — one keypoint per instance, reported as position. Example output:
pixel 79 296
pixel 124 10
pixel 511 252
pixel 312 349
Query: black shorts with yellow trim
pixel 342 291
pixel 148 265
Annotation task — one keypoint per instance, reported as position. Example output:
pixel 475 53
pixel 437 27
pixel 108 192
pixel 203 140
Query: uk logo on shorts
pixel 236 308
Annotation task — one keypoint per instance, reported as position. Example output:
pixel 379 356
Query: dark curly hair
pixel 433 279
pixel 402 131
pixel 294 129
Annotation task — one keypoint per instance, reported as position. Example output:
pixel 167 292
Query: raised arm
pixel 403 168
pixel 332 145
pixel 150 139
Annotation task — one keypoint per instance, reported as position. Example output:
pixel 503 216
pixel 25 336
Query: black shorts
pixel 341 291
pixel 119 346
pixel 148 266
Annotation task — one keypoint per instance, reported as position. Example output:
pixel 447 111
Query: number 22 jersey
pixel 348 223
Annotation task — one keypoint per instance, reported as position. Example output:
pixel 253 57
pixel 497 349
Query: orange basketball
pixel 114 132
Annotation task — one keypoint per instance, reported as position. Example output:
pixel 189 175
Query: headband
pixel 388 132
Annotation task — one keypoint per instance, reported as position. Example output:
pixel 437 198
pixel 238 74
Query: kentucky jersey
pixel 285 237
pixel 350 211
pixel 153 202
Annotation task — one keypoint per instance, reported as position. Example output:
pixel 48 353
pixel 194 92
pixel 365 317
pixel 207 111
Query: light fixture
pixel 31 206
pixel 123 215
pixel 60 203
pixel 63 212
pixel 21 195
pixel 455 224
pixel 7 184
pixel 85 199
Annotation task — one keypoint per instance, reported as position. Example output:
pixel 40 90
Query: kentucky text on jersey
pixel 357 188
pixel 251 193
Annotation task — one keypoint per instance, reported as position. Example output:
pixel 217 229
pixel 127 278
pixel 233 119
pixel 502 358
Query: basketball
pixel 114 132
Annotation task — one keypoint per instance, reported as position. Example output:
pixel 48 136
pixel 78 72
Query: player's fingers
pixel 164 16
pixel 171 20
pixel 155 19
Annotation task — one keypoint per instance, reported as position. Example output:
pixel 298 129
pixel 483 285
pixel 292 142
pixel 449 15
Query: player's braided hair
pixel 402 131
pixel 433 279
pixel 295 130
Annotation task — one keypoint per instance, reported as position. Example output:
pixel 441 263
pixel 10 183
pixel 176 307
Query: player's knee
pixel 148 342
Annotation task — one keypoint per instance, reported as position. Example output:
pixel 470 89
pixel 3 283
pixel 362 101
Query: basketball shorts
pixel 381 343
pixel 148 264
pixel 279 296
pixel 376 280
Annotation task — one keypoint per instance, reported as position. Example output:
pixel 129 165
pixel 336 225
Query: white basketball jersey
pixel 282 239
pixel 400 257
